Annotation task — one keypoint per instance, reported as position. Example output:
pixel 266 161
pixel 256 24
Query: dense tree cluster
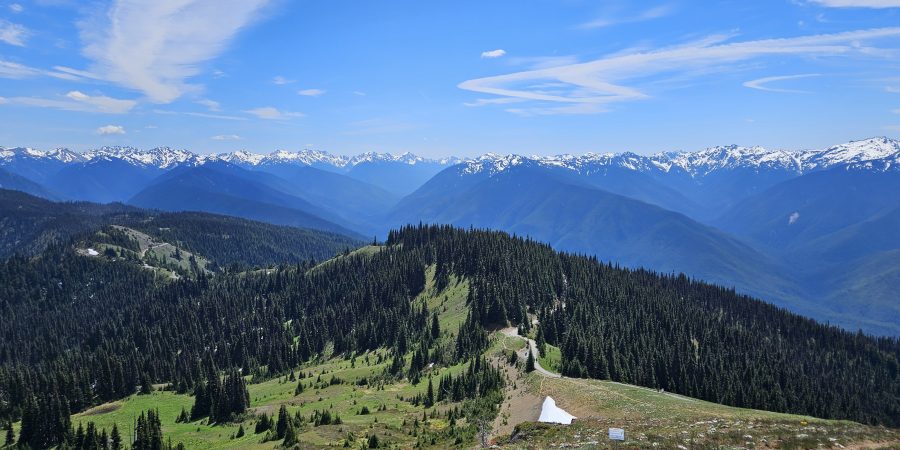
pixel 668 331
pixel 45 422
pixel 45 426
pixel 479 380
pixel 221 400
pixel 148 432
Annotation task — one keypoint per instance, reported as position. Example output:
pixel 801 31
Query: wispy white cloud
pixel 13 70
pixel 543 62
pixel 156 46
pixel 877 4
pixel 13 33
pixel 226 137
pixel 310 92
pixel 16 8
pixel 78 101
pixel 892 89
pixel 107 130
pixel 494 101
pixel 567 110
pixel 892 127
pixel 102 103
pixel 198 114
pixel 211 105
pixel 618 78
pixel 493 53
pixel 761 83
pixel 9 69
pixel 647 14
pixel 359 93
pixel 280 80
pixel 270 113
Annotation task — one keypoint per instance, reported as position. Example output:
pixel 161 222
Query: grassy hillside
pixel 652 419
pixel 443 279
pixel 394 420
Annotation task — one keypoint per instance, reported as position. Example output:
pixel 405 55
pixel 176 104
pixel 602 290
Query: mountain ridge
pixel 696 163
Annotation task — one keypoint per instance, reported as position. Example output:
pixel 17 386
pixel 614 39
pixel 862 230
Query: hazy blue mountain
pixel 223 188
pixel 396 177
pixel 646 188
pixel 12 181
pixel 553 206
pixel 353 200
pixel 102 180
pixel 846 254
pixel 795 212
pixel 862 292
pixel 397 174
pixel 867 237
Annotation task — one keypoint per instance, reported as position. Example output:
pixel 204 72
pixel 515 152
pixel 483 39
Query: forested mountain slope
pixel 30 224
pixel 551 205
pixel 88 330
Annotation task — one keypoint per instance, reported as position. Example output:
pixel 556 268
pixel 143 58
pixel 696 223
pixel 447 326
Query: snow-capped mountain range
pixel 879 154
pixel 166 157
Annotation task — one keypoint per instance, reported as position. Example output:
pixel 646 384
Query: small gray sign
pixel 617 434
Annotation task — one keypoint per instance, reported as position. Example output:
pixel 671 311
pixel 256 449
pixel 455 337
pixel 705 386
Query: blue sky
pixel 439 77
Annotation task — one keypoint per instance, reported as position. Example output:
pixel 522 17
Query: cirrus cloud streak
pixel 761 83
pixel 596 84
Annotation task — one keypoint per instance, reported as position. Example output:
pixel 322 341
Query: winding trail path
pixel 514 332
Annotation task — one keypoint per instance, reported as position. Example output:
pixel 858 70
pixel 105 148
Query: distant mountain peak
pixel 161 157
pixel 60 154
pixel 877 154
pixel 492 163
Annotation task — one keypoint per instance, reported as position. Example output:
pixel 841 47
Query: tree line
pixel 668 331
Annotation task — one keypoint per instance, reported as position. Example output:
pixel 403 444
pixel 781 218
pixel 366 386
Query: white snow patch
pixel 92 252
pixel 550 413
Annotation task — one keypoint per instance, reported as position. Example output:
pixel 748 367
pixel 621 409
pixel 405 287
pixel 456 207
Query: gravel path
pixel 523 354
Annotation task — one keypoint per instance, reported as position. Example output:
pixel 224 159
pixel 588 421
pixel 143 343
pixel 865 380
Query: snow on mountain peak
pixel 492 163
pixel 160 157
pixel 240 157
pixel 854 152
pixel 878 154
pixel 63 155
